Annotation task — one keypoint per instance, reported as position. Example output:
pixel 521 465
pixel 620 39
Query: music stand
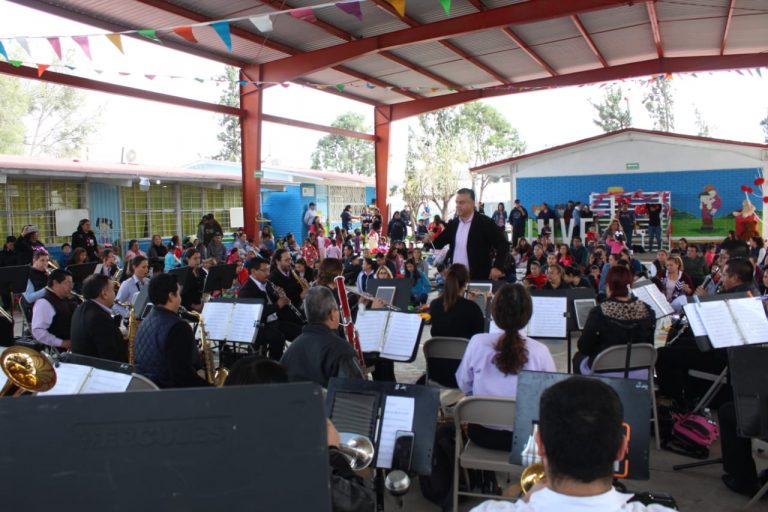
pixel 220 277
pixel 182 275
pixel 583 295
pixel 634 397
pixel 166 443
pixel 142 305
pixel 14 277
pixel 749 381
pixel 402 290
pixel 81 271
pixel 95 362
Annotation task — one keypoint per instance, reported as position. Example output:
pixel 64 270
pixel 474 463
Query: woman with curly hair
pixel 492 361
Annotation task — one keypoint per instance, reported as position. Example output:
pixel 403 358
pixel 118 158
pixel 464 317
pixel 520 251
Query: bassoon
pixel 346 321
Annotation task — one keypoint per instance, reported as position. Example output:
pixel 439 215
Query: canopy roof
pixel 428 60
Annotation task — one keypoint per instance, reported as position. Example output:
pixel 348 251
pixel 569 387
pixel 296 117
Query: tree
pixel 764 124
pixel 14 104
pixel 345 154
pixel 488 137
pixel 59 126
pixel 659 102
pixel 704 129
pixel 229 136
pixel 611 115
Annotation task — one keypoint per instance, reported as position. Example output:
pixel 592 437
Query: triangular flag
pixel 340 87
pixel 24 44
pixel 56 43
pixel 117 40
pixel 351 8
pixel 399 6
pixel 186 33
pixel 84 45
pixel 201 80
pixel 41 69
pixel 151 77
pixel 3 52
pixel 303 14
pixel 759 73
pixel 243 82
pixel 16 63
pixel 370 85
pixel 99 71
pixel 222 28
pixel 149 33
pixel 446 6
pixel 124 73
pixel 262 23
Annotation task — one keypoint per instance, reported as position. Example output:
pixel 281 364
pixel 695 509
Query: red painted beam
pixel 267 118
pixel 655 28
pixel 132 92
pixel 632 70
pixel 251 101
pixel 727 26
pixel 526 12
pixel 382 122
pixel 529 51
pixel 588 40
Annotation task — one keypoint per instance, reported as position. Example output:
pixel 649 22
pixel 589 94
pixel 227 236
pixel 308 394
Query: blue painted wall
pixel 104 209
pixel 370 194
pixel 285 209
pixel 685 187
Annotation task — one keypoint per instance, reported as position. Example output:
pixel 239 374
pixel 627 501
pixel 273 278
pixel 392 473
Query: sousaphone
pixel 28 371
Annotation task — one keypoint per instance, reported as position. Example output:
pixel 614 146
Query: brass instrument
pixel 52 265
pixel 28 371
pixel 133 327
pixel 116 279
pixel 78 297
pixel 213 376
pixel 302 282
pixel 531 476
pixel 357 449
pixel 368 296
pixel 6 314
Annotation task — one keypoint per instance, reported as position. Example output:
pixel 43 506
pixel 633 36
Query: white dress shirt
pixel 263 287
pixel 42 318
pixel 127 294
pixel 462 236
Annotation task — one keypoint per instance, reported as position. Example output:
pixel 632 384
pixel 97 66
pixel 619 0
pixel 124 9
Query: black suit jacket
pixel 94 333
pixel 487 247
pixel 251 291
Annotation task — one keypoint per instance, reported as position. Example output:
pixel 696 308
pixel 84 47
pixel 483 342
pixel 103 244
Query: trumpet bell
pixel 531 475
pixel 27 370
pixel 357 449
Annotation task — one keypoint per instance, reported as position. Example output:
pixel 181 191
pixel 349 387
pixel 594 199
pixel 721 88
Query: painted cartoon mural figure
pixel 746 221
pixel 709 204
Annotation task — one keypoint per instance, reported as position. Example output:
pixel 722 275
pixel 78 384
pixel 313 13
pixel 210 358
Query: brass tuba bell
pixel 27 370
pixel 357 449
pixel 531 476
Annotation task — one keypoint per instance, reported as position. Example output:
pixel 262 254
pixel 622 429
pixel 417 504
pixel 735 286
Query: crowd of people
pixel 298 286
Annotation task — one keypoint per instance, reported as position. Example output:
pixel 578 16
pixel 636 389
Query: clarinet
pixel 282 295
pixel 346 321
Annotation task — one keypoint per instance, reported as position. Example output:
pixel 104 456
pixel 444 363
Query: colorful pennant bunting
pixel 399 6
pixel 117 40
pixel 3 52
pixel 352 8
pixel 56 44
pixel 222 28
pixel 306 14
pixel 446 6
pixel 149 33
pixel 84 44
pixel 262 23
pixel 186 33
pixel 24 44
pixel 41 69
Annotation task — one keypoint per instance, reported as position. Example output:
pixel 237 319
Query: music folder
pixel 232 320
pixel 395 335
pixel 649 293
pixel 728 322
pixel 82 270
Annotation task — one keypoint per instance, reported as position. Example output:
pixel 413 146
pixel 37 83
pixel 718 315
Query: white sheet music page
pixel 243 321
pixel 401 336
pixel 398 415
pixel 750 318
pixel 694 320
pixel 103 381
pixel 721 328
pixel 548 319
pixel 370 327
pixel 216 318
pixel 69 379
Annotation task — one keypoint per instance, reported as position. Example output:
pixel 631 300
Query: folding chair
pixel 640 356
pixel 141 383
pixel 443 356
pixel 485 411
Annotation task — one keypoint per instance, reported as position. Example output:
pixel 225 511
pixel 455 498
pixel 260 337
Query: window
pixel 339 197
pixel 34 202
pixel 198 201
pixel 148 213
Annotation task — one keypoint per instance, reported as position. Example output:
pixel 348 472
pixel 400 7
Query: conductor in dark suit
pixel 476 241
pixel 94 330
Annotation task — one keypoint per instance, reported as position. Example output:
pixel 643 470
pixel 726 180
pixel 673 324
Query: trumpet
pixel 357 449
pixel 368 296
pixel 28 371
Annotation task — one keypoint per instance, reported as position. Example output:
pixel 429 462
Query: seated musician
pixel 38 278
pixel 368 268
pixel 273 331
pixel 282 276
pixel 109 263
pixel 319 353
pixel 304 271
pixel 52 313
pixel 192 294
pixel 580 437
pixel 130 288
pixel 619 320
pixel 94 331
pixel 452 314
pixel 165 346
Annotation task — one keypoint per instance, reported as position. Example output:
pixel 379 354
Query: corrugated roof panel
pixel 375 19
pixel 691 10
pixel 300 34
pixel 492 4
pixel 221 10
pixel 462 72
pixel 701 37
pixel 425 12
pixel 375 65
pixel 627 45
pixel 748 34
pixel 513 64
pixel 615 19
pixel 484 43
pixel 410 79
pixel 425 54
pixel 547 31
pixel 567 55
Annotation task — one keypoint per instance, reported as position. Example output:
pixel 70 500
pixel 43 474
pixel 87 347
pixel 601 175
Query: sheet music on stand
pixel 230 320
pixel 75 379
pixel 649 293
pixel 549 318
pixel 729 322
pixel 395 335
pixel 582 307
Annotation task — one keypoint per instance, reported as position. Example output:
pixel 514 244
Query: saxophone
pixel 215 376
pixel 302 282
pixel 133 327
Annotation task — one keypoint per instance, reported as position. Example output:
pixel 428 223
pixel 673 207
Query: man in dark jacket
pixel 518 217
pixel 319 353
pixel 396 228
pixel 86 239
pixel 94 331
pixel 476 241
pixel 27 243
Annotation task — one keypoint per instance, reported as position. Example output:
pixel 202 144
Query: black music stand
pixel 402 290
pixel 220 277
pixel 574 294
pixel 13 281
pixel 168 446
pixel 634 397
pixel 95 362
pixel 182 275
pixel 81 271
pixel 230 350
pixel 360 407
